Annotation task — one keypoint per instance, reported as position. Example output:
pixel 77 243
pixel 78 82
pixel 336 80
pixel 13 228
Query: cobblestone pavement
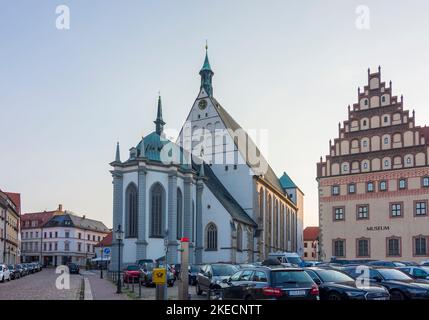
pixel 40 286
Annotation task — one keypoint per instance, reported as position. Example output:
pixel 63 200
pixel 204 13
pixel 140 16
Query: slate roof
pixel 311 233
pixel 224 197
pixel 76 221
pixel 249 149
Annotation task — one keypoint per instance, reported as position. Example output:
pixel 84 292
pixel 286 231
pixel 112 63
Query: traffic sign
pixel 159 276
pixel 106 251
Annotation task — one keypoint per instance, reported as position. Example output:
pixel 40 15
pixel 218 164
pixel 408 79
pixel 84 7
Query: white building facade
pixel 220 194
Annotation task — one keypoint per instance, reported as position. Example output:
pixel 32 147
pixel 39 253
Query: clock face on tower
pixel 202 104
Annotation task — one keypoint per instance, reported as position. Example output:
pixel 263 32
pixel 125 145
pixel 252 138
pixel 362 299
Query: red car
pixel 132 273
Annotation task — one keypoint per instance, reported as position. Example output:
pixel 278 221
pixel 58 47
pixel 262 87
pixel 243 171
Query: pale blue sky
pixel 291 67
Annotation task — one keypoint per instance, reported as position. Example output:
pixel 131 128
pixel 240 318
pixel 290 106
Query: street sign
pixel 159 276
pixel 106 251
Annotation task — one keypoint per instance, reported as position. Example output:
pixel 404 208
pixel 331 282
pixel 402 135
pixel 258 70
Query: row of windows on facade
pixel 366 123
pixel 29 235
pixel 34 246
pixel 382 186
pixel 313 255
pixel 396 210
pixel 365 164
pixel 393 247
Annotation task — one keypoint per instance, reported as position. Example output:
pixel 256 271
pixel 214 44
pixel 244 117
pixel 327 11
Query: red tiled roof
pixel 107 241
pixel 16 199
pixel 40 217
pixel 311 233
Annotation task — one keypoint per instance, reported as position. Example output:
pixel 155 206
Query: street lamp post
pixel 119 237
pixel 101 262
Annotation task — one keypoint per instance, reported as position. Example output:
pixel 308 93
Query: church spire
pixel 159 122
pixel 118 155
pixel 206 74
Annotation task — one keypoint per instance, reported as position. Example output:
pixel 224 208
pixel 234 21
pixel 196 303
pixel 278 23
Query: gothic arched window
pixel 157 208
pixel 131 211
pixel 179 221
pixel 211 237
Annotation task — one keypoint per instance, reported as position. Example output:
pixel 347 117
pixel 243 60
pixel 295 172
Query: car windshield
pixel 393 274
pixel 1 268
pixel 290 278
pixel 133 268
pixel 333 276
pixel 194 268
pixel 148 266
pixel 425 269
pixel 224 270
pixel 294 260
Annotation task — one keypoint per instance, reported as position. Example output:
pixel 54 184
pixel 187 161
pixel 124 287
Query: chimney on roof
pixel 83 217
pixel 60 207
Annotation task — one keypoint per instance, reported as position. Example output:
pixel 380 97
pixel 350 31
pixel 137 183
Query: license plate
pixel 381 298
pixel 297 293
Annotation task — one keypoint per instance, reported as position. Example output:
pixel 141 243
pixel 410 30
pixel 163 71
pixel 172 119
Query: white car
pixel 4 273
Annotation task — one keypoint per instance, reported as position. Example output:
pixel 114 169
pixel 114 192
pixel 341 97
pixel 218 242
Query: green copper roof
pixel 286 182
pixel 206 65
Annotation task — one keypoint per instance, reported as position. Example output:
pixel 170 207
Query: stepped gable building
pixel 374 183
pixel 210 191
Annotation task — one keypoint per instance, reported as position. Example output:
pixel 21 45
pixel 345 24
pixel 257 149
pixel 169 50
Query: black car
pixel 400 285
pixel 192 274
pixel 270 283
pixel 73 268
pixel 210 276
pixel 383 263
pixel 337 285
pixel 14 272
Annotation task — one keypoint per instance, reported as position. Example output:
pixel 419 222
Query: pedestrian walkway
pixel 101 289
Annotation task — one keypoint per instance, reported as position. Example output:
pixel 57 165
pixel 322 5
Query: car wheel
pixel 397 295
pixel 334 296
pixel 198 289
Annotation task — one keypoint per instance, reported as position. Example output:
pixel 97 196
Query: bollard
pixel 140 287
pixel 133 279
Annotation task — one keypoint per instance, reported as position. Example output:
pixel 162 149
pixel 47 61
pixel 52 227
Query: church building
pixel 212 186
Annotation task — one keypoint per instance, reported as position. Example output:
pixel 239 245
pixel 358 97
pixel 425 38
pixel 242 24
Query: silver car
pixel 4 273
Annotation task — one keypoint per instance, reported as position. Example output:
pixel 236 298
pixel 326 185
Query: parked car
pixel 408 263
pixel 382 263
pixel 132 273
pixel 337 285
pixel 416 272
pixel 192 273
pixel 14 273
pixel 210 276
pixel 425 263
pixel 26 269
pixel 73 268
pixel 311 263
pixel 400 285
pixel 270 282
pixel 4 273
pixel 30 267
pixel 141 262
pixel 21 270
pixel 175 269
pixel 287 257
pixel 147 272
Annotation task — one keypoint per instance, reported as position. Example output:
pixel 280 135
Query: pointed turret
pixel 142 153
pixel 159 122
pixel 206 74
pixel 118 154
